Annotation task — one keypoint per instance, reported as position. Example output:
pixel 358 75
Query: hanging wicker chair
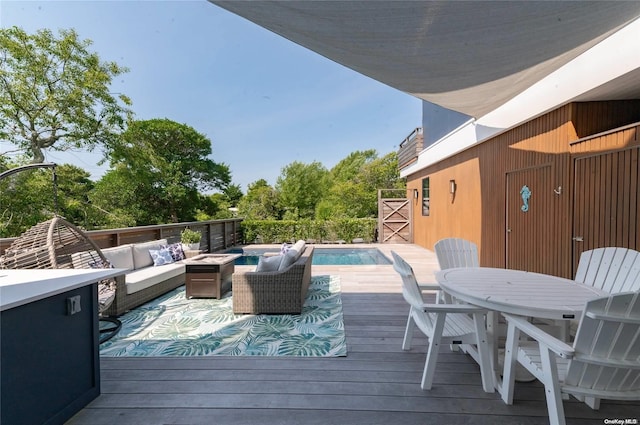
pixel 58 244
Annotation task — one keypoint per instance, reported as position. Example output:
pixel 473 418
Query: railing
pixel 217 235
pixel 410 148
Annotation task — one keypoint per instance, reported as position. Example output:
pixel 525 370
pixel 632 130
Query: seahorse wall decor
pixel 525 192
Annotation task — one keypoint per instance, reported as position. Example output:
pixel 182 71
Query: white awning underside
pixel 468 56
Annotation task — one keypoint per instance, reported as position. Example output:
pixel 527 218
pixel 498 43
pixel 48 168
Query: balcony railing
pixel 410 148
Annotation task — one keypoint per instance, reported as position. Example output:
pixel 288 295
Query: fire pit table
pixel 208 274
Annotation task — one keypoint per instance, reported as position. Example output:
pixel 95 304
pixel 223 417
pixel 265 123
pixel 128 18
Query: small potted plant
pixel 190 239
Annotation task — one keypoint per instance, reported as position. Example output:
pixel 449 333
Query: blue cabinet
pixel 50 359
pixel 49 349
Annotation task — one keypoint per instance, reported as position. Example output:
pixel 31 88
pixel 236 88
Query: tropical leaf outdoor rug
pixel 175 326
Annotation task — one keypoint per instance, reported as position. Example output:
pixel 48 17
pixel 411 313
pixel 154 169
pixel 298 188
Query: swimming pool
pixel 321 256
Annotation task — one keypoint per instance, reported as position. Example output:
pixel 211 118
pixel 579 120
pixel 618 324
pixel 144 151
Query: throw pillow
pixel 269 264
pixel 161 257
pixel 285 247
pixel 288 259
pixel 175 249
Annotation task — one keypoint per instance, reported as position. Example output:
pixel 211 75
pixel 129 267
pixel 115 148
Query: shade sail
pixel 468 56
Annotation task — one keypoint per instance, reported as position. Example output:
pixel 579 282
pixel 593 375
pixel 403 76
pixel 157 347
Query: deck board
pixel 376 383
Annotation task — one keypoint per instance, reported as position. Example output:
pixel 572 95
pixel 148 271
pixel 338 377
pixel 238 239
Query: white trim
pixel 467 135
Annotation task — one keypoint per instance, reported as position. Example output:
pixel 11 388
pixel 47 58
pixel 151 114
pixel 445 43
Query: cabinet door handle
pixel 578 238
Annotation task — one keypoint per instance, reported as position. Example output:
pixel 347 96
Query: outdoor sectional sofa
pixel 143 281
pixel 275 292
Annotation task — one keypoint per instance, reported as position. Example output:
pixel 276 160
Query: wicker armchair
pixel 52 245
pixel 279 292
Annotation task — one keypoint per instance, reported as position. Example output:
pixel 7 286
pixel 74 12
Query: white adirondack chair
pixel 603 363
pixel 443 324
pixel 611 269
pixel 451 253
pixel 456 252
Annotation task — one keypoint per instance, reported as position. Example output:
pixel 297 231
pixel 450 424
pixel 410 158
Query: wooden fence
pixel 217 235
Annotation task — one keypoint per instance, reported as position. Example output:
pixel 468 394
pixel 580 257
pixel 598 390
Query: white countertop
pixel 19 287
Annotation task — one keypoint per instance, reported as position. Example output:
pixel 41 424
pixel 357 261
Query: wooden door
pixel 605 204
pixel 529 219
pixel 394 220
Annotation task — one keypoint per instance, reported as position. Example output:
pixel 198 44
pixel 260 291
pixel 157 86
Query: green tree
pixel 117 195
pixel 301 186
pixel 55 93
pixel 260 202
pixel 214 207
pixel 383 173
pixel 74 185
pixel 167 164
pixel 354 185
pixel 233 194
pixel 351 166
pixel 27 198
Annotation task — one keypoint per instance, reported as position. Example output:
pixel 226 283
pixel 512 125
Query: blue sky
pixel 262 100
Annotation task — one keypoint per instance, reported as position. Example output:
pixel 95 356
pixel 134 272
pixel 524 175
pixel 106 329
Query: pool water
pixel 321 256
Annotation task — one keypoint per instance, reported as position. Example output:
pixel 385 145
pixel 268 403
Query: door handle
pixel 578 238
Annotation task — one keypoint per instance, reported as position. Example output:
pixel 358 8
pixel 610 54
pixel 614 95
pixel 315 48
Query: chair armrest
pixel 451 308
pixel 429 287
pixel 612 318
pixel 559 347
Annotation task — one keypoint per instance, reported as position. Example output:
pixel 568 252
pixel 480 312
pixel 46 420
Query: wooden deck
pixel 377 383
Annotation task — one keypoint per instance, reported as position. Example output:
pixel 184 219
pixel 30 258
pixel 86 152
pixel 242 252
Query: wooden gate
pixel 606 201
pixel 529 200
pixel 394 220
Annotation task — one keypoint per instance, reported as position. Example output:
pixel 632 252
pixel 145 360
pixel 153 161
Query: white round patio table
pixel 518 292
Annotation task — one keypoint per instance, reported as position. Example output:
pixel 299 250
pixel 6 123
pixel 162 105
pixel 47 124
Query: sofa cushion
pixel 297 249
pixel 299 245
pixel 120 257
pixel 269 264
pixel 161 257
pixel 141 256
pixel 138 280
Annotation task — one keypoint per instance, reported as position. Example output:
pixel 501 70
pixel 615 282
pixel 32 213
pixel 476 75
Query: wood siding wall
pixel 606 185
pixel 489 177
pixel 587 117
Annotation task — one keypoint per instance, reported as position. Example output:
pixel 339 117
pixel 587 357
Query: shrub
pixel 278 231
pixel 188 236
